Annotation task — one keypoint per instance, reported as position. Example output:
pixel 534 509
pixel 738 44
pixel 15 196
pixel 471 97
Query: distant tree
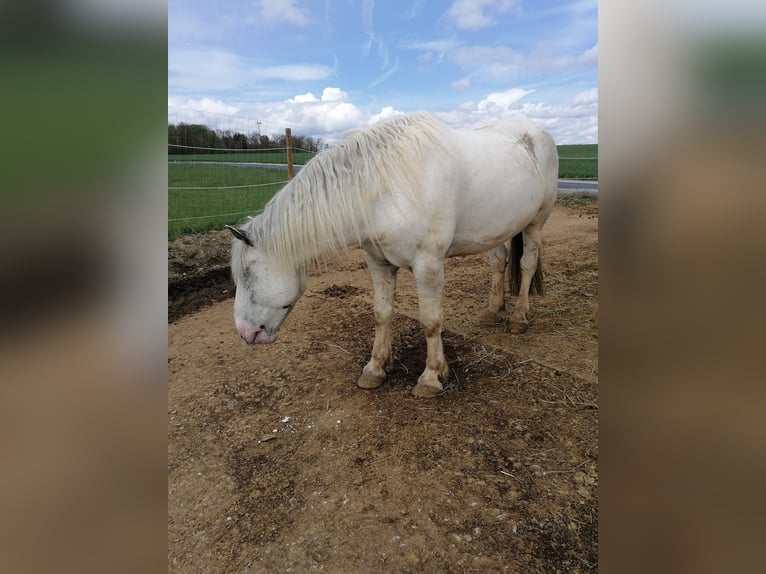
pixel 172 138
pixel 239 141
pixel 304 142
pixel 201 136
pixel 255 141
pixel 195 135
pixel 226 138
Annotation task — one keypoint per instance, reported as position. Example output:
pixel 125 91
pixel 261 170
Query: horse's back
pixel 505 178
pixel 542 148
pixel 534 139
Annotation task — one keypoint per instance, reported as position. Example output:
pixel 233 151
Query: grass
pixel 581 166
pixel 578 198
pixel 205 208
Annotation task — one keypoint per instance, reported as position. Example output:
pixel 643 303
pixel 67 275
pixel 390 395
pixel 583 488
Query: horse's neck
pixel 301 236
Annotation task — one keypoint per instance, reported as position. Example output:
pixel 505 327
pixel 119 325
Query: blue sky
pixel 325 66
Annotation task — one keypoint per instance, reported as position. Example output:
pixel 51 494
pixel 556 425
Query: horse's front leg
pixel 384 286
pixel 429 276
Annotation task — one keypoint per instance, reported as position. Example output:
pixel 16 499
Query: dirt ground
pixel 278 462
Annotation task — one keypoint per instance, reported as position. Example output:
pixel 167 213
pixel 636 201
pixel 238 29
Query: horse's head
pixel 266 289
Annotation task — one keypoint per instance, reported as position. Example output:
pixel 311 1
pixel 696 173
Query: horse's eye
pixel 287 306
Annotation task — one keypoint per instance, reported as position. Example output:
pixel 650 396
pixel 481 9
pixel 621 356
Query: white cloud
pixel 502 100
pixel 283 11
pixel 185 108
pixel 574 122
pixel 385 113
pixel 332 94
pixel 293 72
pixel 191 68
pixel 332 114
pixel 461 84
pixel 586 98
pixel 220 70
pixel 592 53
pixel 477 14
pixel 340 116
pixel 498 63
pixel 546 62
pixel 303 98
pixel 306 114
pixel 490 63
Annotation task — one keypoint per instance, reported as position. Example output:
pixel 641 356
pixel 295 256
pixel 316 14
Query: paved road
pixel 573 185
pixel 566 185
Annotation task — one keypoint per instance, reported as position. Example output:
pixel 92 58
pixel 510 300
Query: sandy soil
pixel 277 462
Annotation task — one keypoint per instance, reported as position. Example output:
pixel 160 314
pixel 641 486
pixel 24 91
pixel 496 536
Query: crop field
pixel 578 161
pixel 202 197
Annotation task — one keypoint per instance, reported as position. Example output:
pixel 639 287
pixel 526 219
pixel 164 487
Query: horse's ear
pixel 240 234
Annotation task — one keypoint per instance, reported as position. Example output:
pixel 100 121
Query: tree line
pixel 198 135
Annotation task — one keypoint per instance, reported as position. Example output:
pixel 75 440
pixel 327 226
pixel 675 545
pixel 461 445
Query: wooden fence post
pixel 289 144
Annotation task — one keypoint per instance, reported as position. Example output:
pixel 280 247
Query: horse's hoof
pixel 369 381
pixel 427 391
pixel 517 327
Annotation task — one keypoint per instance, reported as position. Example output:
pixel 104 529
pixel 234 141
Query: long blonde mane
pixel 327 205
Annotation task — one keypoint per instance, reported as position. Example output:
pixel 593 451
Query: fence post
pixel 289 145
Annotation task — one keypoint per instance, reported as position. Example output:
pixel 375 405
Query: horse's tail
pixel 514 276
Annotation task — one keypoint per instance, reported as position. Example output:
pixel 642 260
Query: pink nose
pixel 253 334
pixel 247 331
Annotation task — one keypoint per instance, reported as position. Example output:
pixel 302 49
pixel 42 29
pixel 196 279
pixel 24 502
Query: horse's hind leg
pixel 384 286
pixel 530 266
pixel 498 260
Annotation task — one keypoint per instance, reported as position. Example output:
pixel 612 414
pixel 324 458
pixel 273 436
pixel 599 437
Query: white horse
pixel 410 191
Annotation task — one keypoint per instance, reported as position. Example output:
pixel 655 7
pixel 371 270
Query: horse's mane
pixel 326 205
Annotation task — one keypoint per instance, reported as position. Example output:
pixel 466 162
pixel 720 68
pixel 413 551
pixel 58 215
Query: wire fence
pixel 223 167
pixel 209 193
pixel 211 185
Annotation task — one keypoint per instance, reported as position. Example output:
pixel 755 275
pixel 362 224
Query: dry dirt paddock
pixel 277 462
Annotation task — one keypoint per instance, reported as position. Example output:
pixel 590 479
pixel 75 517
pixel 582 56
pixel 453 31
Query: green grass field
pixel 206 207
pixel 584 168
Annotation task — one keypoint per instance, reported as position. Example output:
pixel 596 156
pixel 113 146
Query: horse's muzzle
pixel 251 334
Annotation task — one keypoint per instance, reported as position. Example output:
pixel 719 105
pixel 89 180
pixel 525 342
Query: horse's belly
pixel 480 227
pixel 468 247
